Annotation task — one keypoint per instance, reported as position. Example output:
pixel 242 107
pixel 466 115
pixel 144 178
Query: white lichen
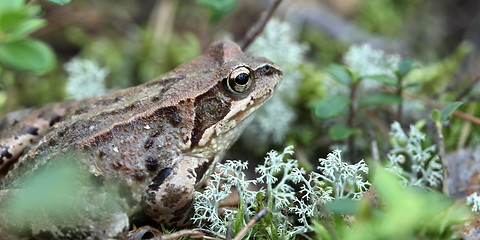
pixel 415 164
pixel 336 180
pixel 207 203
pixel 276 175
pixel 85 78
pixel 346 179
pixel 474 200
pixel 277 189
pixel 288 55
pixel 368 61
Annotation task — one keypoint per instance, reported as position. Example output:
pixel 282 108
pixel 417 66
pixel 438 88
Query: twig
pixel 376 122
pixel 161 21
pixel 182 233
pixel 138 233
pixel 399 94
pixel 327 221
pixel 441 152
pixel 374 147
pixel 350 121
pixel 466 127
pixel 229 234
pixel 430 103
pixel 255 219
pixel 257 29
pixel 469 88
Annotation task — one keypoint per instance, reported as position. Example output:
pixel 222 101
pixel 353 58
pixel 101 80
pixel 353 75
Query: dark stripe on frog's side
pixel 172 115
pixel 109 101
pixel 118 106
pixel 164 83
pixel 169 113
pixel 210 108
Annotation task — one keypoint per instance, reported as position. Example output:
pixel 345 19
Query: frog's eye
pixel 239 80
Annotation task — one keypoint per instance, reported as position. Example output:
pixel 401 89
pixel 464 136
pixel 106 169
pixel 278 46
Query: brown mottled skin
pixel 158 140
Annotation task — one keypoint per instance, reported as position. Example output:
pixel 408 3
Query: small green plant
pixel 355 87
pixel 18 51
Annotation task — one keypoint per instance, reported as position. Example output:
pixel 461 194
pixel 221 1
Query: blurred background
pixel 374 61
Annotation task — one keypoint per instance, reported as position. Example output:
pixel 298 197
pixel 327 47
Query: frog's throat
pixel 233 122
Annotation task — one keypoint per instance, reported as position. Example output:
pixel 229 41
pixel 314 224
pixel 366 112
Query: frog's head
pixel 238 85
pixel 242 84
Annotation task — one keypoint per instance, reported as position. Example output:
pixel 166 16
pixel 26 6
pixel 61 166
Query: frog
pixel 145 149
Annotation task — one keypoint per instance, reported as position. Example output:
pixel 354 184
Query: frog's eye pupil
pixel 239 80
pixel 242 79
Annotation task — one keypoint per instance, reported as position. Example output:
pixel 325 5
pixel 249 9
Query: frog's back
pixel 151 114
pixel 113 127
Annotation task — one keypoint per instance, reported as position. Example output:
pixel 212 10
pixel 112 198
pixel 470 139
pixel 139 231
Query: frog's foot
pixel 169 197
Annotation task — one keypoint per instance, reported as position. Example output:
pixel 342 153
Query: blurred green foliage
pixel 17 50
pixel 400 213
pixel 218 8
pixel 387 17
pixel 133 56
pixel 54 189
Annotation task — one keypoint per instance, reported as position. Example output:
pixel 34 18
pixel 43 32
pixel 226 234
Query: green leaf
pixel 413 86
pixel 404 67
pixel 342 206
pixel 10 5
pixel 340 73
pixel 330 106
pixel 448 110
pixel 8 20
pixel 219 8
pixel 27 55
pixel 340 132
pixel 320 231
pixel 379 99
pixel 59 2
pixel 383 79
pixel 24 28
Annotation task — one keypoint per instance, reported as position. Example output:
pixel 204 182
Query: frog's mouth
pixel 252 106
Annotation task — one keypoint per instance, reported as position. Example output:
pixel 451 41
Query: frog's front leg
pixel 169 197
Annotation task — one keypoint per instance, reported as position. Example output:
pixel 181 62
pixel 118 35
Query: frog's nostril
pixel 267 69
